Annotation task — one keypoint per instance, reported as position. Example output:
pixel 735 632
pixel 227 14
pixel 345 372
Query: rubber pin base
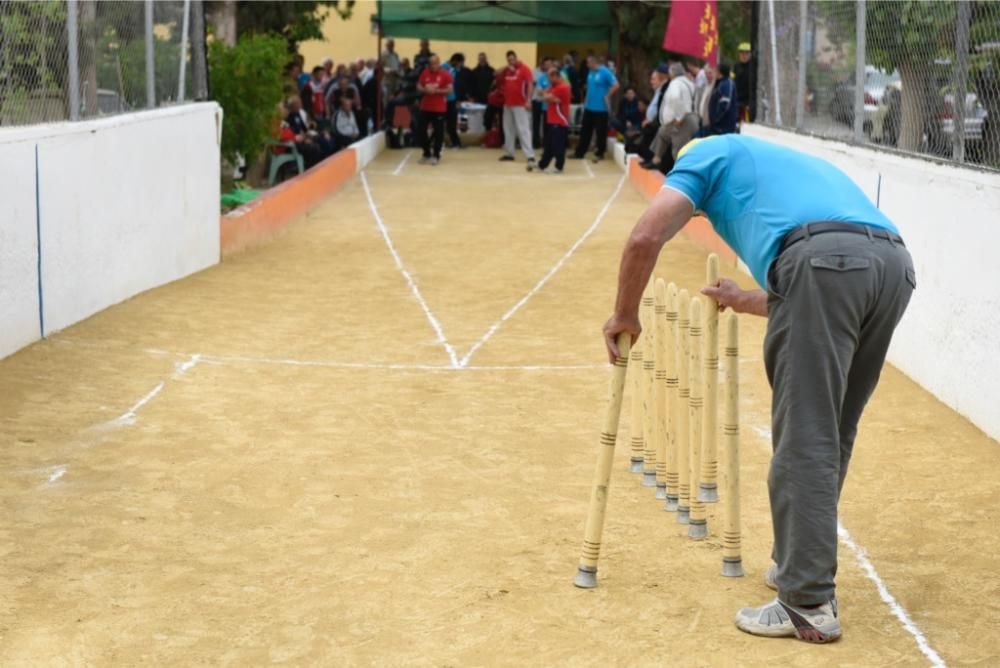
pixel 732 568
pixel 586 578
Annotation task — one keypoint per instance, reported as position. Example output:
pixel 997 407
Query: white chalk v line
pixel 492 329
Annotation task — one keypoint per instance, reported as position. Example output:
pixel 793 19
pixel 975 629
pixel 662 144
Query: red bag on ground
pixel 492 138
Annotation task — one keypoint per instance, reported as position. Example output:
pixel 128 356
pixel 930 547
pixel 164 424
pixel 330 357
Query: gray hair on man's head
pixel 676 70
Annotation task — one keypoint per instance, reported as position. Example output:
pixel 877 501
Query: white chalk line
pixel 131 415
pixel 402 163
pixel 861 556
pixel 590 172
pixel 406 274
pixel 230 359
pixel 57 472
pixel 545 279
pixel 898 610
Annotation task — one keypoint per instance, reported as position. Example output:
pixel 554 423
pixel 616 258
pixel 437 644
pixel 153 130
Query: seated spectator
pixel 347 124
pixel 342 87
pixel 628 118
pixel 295 130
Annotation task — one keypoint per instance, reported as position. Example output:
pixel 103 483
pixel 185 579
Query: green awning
pixel 496 20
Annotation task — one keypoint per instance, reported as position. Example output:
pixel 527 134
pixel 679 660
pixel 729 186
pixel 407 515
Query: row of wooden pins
pixel 674 426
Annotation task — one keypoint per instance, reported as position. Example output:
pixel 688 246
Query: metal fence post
pixel 961 79
pixel 199 66
pixel 184 42
pixel 800 101
pixel 859 74
pixel 150 70
pixel 73 53
pixel 774 65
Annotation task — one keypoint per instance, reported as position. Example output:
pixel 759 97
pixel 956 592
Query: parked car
pixel 939 121
pixel 876 83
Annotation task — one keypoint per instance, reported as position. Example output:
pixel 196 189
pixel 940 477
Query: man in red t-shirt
pixel 435 84
pixel 518 87
pixel 556 121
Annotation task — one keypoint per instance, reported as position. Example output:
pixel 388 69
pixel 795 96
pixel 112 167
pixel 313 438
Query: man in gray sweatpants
pixel 838 280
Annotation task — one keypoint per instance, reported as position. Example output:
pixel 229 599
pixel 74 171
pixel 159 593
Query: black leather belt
pixel 811 229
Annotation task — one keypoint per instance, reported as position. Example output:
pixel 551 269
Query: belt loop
pixel 805 228
pixel 868 231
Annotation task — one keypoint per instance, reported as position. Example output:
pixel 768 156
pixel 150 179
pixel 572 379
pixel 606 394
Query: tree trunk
pixel 88 57
pixel 223 17
pixel 634 68
pixel 914 91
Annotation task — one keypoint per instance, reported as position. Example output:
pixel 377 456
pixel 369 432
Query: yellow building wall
pixel 352 39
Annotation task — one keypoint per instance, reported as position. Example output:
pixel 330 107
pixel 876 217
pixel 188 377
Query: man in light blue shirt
pixel 838 279
pixel 601 85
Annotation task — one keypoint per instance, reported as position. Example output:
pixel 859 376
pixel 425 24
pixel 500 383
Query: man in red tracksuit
pixel 557 122
pixel 518 87
pixel 435 83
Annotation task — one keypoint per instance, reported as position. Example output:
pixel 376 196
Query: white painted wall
pixel 126 204
pixel 949 218
pixel 367 149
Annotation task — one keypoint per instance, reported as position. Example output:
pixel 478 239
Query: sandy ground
pixel 273 461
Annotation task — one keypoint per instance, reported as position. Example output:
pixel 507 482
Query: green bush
pixel 246 81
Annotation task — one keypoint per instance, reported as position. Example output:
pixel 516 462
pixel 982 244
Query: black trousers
pixel 555 146
pixel 452 124
pixel 537 122
pixel 593 121
pixel 435 119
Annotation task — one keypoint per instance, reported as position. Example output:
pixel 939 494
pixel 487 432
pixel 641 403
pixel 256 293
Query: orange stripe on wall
pixel 649 182
pixel 260 220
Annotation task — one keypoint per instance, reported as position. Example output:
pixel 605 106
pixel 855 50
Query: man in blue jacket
pixel 723 107
pixel 838 280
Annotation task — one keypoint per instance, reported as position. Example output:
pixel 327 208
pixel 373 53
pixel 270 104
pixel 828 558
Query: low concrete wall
pixel 259 221
pixel 98 211
pixel 949 218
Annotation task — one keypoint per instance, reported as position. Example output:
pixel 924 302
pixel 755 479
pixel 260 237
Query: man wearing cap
pixel 838 279
pixel 746 83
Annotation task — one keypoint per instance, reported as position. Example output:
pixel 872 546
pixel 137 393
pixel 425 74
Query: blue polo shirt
pixel 599 82
pixel 755 192
pixel 451 70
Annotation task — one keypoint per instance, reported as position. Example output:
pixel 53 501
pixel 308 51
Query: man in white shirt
pixel 678 120
pixel 659 79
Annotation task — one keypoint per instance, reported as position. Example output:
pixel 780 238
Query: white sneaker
pixel 435 161
pixel 780 620
pixel 771 577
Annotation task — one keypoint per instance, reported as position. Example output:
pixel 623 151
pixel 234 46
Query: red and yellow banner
pixel 693 29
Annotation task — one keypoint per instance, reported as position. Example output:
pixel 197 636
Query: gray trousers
pixel 517 125
pixel 673 137
pixel 834 301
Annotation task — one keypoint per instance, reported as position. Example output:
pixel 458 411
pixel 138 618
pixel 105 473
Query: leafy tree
pixel 33 53
pixel 908 36
pixel 246 82
pixel 295 20
pixel 641 26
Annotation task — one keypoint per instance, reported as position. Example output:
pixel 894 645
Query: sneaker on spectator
pixel 553 170
pixel 506 158
pixel 435 161
pixel 531 165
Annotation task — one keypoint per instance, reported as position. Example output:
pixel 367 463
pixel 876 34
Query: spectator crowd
pixel 420 102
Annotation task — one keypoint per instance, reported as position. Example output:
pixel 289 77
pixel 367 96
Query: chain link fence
pixel 916 61
pixel 76 59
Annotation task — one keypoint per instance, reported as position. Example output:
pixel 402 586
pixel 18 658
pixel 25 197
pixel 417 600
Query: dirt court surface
pixel 280 460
